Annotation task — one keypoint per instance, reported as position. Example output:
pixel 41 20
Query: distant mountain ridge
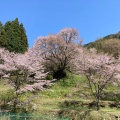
pixel 109 44
pixel 113 36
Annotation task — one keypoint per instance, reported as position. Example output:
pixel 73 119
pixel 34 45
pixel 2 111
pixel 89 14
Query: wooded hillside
pixel 109 44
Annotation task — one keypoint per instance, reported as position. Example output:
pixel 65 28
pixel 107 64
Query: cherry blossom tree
pixel 5 57
pixel 18 67
pixel 99 69
pixel 58 51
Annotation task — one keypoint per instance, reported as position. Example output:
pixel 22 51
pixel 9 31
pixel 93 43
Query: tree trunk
pixel 15 105
pixel 60 73
pixel 15 101
pixel 98 104
pixel 98 99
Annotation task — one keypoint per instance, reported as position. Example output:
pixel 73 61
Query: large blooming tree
pixel 99 69
pixel 58 51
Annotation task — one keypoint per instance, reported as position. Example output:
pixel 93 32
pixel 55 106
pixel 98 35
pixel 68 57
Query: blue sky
pixel 92 18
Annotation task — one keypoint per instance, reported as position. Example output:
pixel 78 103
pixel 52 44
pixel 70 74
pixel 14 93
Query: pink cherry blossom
pixel 99 69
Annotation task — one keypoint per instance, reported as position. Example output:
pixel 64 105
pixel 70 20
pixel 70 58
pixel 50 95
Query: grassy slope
pixel 69 97
pixel 66 96
pixel 6 91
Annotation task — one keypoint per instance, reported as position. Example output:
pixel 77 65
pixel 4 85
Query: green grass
pixel 73 88
pixel 68 97
pixel 4 86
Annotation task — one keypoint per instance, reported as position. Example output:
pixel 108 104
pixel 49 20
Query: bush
pixel 6 97
pixel 110 96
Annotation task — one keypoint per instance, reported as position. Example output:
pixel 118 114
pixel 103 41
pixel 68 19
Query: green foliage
pixel 6 97
pixel 3 40
pixel 49 77
pixel 90 115
pixel 24 41
pixel 111 93
pixel 13 37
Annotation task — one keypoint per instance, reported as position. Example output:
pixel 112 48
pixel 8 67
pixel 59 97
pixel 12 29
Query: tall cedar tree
pixel 23 35
pixel 16 37
pixel 3 41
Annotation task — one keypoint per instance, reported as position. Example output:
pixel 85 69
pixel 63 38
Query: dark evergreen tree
pixel 3 41
pixel 23 36
pixel 9 35
pixel 1 25
pixel 16 37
